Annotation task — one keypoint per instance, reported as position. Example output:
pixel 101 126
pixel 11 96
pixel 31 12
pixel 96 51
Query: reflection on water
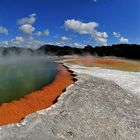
pixel 23 76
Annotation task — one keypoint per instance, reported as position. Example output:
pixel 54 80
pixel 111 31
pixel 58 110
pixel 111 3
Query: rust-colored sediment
pixel 16 110
pixel 114 63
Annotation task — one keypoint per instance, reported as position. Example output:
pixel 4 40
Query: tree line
pixel 131 51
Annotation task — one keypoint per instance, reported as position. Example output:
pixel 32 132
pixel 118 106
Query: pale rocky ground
pixel 91 109
pixel 127 80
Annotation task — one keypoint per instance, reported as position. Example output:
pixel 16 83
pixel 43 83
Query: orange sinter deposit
pixel 41 99
pixel 107 62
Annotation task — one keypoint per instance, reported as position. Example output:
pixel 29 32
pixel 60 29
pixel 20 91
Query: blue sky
pixel 31 23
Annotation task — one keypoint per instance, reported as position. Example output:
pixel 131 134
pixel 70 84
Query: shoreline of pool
pixel 92 102
pixel 17 110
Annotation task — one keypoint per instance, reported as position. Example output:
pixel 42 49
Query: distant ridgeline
pixel 131 51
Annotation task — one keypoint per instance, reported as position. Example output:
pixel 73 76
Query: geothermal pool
pixel 106 62
pixel 21 76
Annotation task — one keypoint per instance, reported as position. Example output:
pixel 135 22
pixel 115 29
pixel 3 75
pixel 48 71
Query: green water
pixel 21 77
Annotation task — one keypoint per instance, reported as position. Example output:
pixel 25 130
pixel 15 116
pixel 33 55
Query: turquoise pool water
pixel 19 77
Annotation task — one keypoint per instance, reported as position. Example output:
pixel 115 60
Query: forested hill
pixel 121 50
pixel 131 51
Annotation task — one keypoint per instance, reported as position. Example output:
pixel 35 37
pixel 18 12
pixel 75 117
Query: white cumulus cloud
pixel 120 37
pixel 101 34
pixel 89 28
pixel 43 33
pixel 18 40
pixel 77 45
pixel 3 30
pixel 64 38
pixel 4 43
pixel 123 40
pixel 101 38
pixel 33 43
pixel 27 28
pixel 28 42
pixel 27 20
pixel 117 34
pixel 80 27
pixel 101 41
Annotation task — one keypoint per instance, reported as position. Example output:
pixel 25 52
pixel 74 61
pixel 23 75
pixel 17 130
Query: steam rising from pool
pixel 21 75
